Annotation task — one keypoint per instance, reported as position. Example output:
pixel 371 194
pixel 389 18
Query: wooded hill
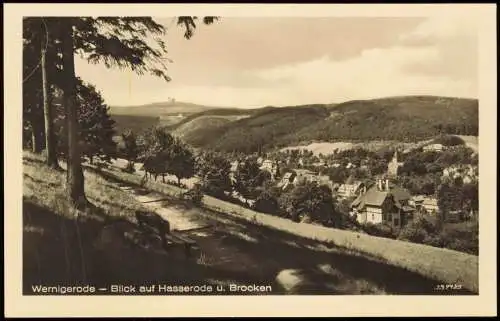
pixel 404 118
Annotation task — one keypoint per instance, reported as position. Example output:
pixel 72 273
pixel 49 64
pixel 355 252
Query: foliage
pixel 421 185
pixel 449 140
pixel 420 230
pixel 130 148
pixel 337 174
pixel 96 128
pixel 462 237
pixel 249 178
pixel 309 198
pixel 180 160
pixel 155 140
pixel 213 170
pixel 261 130
pixel 381 230
pixel 409 119
pixel 164 153
pixel 419 163
pixel 267 202
pixel 426 229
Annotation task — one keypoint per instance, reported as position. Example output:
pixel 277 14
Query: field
pixel 62 245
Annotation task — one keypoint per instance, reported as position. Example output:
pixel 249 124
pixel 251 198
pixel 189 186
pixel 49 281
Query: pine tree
pixel 117 42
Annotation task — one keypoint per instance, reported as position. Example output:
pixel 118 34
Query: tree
pixel 214 171
pixel 122 42
pixel 181 161
pixel 267 201
pixel 310 199
pixel 47 107
pixel 447 198
pixel 32 84
pixel 130 148
pixel 156 140
pixel 95 126
pixel 41 45
pixel 337 174
pixel 74 175
pixel 248 178
pixel 95 123
pixel 470 196
pixel 156 153
pixel 420 230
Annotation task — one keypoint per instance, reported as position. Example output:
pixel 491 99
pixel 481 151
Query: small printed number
pixel 444 287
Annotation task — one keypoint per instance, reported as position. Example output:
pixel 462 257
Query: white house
pixel 430 204
pixel 383 203
pixel 347 190
pixel 433 147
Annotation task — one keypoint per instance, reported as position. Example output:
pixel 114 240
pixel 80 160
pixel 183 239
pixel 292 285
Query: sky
pixel 254 62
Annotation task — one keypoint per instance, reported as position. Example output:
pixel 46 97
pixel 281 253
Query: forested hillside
pixel 406 119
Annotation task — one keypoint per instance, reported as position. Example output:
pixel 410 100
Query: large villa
pixel 383 203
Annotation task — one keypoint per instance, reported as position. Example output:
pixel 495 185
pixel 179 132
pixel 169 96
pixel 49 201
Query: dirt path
pixel 158 203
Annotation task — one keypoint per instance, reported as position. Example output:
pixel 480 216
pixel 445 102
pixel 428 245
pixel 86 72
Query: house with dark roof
pixel 427 203
pixel 383 203
pixel 287 180
pixel 304 175
pixel 350 188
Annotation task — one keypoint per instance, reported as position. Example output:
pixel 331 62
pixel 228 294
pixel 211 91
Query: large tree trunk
pixel 74 179
pixel 47 111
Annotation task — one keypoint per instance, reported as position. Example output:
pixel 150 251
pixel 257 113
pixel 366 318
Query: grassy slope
pixel 448 266
pixel 62 246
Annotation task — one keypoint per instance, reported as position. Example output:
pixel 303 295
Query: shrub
pixel 381 230
pixel 419 230
pixel 461 237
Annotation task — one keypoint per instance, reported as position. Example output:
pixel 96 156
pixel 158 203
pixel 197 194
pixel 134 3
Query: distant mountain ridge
pixel 402 118
pixel 161 108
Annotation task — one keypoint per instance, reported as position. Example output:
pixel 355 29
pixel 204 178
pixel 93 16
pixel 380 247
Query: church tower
pixel 393 166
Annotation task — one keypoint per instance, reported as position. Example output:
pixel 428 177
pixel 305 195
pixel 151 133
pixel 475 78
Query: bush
pixel 381 230
pixel 420 230
pixel 461 237
pixel 348 222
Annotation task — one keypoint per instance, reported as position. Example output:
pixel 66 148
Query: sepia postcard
pixel 250 160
